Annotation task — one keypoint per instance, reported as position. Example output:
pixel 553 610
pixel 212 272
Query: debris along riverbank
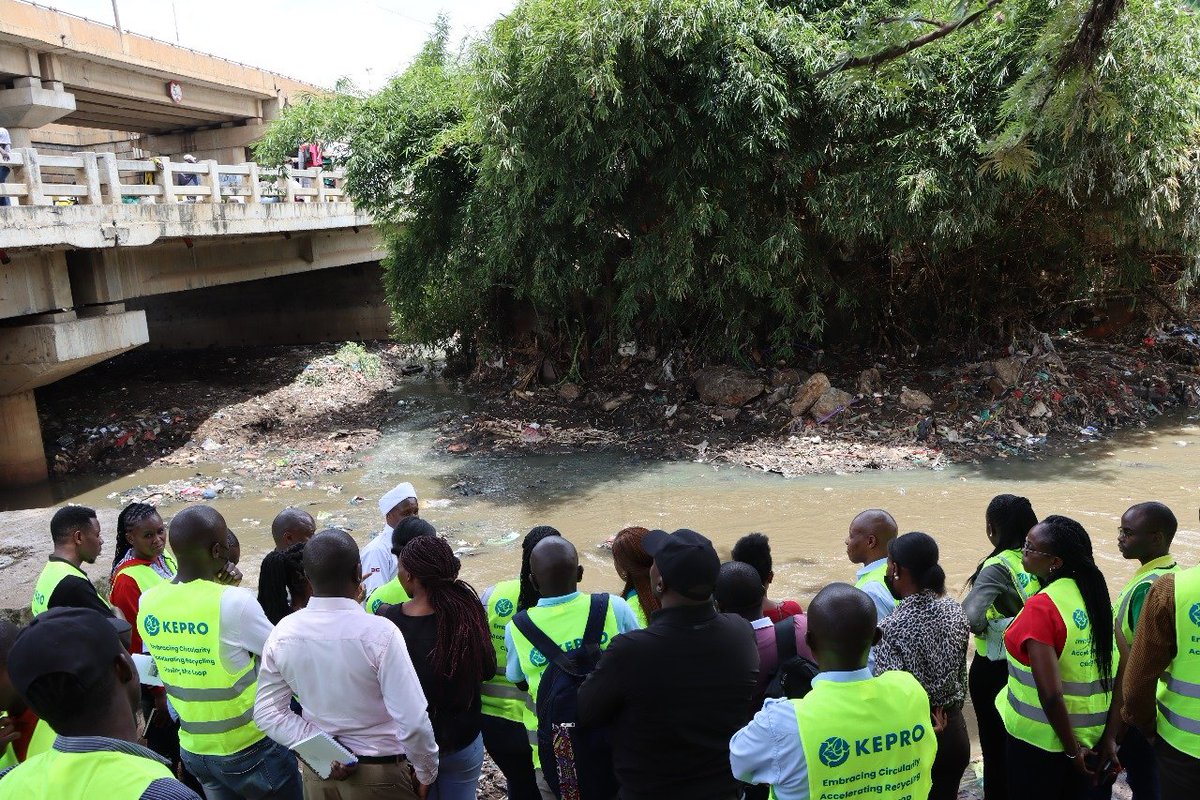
pixel 280 414
pixel 841 412
pixel 288 415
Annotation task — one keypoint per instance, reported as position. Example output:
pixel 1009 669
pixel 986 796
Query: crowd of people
pixel 379 672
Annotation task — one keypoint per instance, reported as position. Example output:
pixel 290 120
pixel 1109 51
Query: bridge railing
pixel 41 179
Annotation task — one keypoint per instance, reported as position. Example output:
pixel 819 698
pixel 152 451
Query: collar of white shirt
pixel 333 604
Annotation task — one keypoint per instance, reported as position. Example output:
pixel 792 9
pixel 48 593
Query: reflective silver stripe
pixel 1185 688
pixel 504 691
pixel 533 740
pixel 1036 714
pixel 213 695
pixel 217 725
pixel 1073 688
pixel 1186 724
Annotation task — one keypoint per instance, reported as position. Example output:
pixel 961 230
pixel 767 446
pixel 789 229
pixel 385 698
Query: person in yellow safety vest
pixel 999 588
pixel 504 704
pixel 1061 661
pixel 1161 685
pixel 392 593
pixel 1145 534
pixel 75 532
pixel 72 669
pixel 853 735
pixel 867 544
pixel 22 734
pixel 204 638
pixel 562 614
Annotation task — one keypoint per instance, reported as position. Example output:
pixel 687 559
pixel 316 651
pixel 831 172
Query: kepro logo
pixel 504 607
pixel 1081 618
pixel 1194 614
pixel 375 604
pixel 834 751
pixel 536 658
pixel 1023 579
pixel 151 625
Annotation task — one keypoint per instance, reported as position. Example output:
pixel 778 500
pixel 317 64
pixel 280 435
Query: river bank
pixel 296 414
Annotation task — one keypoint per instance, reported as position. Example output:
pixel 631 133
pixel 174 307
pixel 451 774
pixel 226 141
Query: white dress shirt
pixel 378 561
pixel 355 680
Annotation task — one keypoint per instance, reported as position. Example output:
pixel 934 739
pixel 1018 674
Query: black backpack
pixel 793 677
pixel 576 762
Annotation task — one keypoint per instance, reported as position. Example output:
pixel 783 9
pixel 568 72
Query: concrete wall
pixel 325 306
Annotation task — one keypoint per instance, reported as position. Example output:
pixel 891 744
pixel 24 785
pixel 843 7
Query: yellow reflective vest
pixel 1084 694
pixel 52 574
pixel 1025 584
pixel 1179 690
pixel 180 625
pixel 55 775
pixel 392 593
pixel 500 697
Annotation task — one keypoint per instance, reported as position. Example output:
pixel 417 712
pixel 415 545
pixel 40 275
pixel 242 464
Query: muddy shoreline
pixel 284 414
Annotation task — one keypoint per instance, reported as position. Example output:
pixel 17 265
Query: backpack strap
pixel 597 614
pixel 544 644
pixel 785 639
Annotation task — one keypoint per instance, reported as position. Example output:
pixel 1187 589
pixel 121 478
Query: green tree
pixel 738 174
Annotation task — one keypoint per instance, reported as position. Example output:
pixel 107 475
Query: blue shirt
pixel 768 750
pixel 878 591
pixel 626 621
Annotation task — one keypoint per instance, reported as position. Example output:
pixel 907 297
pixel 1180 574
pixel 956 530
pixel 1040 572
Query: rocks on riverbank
pixel 839 412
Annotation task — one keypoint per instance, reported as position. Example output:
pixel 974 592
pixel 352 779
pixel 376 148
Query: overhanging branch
pixel 897 50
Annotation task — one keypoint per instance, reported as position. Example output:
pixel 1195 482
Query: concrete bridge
pixel 99 255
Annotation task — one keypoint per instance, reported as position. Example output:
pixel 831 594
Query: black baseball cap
pixel 78 641
pixel 687 561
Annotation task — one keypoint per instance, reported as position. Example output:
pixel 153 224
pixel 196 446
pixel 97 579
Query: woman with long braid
pixel 1060 669
pixel 141 563
pixel 633 566
pixel 999 587
pixel 447 635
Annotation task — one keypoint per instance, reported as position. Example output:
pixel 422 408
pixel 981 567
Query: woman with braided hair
pixel 139 564
pixel 633 566
pixel 1060 652
pixel 447 635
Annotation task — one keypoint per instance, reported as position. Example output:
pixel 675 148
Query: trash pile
pixel 881 414
pixel 193 490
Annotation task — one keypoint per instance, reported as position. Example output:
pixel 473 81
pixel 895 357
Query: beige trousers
pixel 369 782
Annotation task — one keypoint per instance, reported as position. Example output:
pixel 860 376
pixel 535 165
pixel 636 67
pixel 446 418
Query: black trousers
pixel 986 680
pixel 1179 773
pixel 162 736
pixel 1037 774
pixel 507 742
pixel 953 756
pixel 1141 767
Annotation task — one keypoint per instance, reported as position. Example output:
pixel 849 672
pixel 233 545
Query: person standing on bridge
pixel 5 155
pixel 204 638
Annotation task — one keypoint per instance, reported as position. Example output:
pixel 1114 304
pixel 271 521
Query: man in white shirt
pixel 355 679
pixel 378 562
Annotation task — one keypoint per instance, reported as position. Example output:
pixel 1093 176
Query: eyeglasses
pixel 1025 548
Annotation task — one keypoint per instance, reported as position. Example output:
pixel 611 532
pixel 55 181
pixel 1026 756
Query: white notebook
pixel 321 751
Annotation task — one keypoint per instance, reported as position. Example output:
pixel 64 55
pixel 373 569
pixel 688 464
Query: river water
pixel 484 504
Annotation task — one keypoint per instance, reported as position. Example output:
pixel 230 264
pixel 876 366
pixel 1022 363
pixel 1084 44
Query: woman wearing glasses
pixel 999 589
pixel 1060 660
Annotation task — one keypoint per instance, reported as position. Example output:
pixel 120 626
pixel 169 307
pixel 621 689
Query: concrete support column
pixel 22 458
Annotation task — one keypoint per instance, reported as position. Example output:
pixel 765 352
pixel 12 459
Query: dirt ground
pixel 295 413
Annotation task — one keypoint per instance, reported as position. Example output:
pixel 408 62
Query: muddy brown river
pixel 485 504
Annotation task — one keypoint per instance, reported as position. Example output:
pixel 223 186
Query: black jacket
pixel 674 694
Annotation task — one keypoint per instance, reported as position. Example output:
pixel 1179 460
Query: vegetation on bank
pixel 748 177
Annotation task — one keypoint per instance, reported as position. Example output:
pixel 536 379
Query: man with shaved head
pixel 867 736
pixel 1145 535
pixel 205 637
pixel 867 544
pixel 562 615
pixel 282 587
pixel 375 707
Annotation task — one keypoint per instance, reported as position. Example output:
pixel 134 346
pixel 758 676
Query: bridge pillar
pixel 52 347
pixel 22 458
